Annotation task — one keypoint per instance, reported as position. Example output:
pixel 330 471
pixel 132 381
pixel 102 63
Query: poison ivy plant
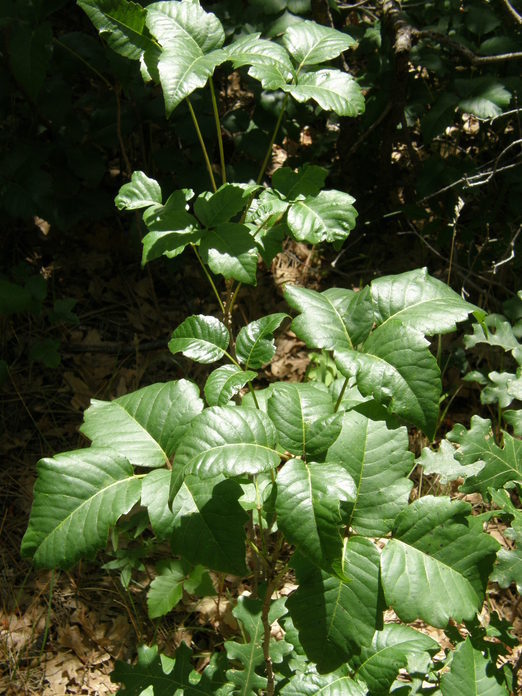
pixel 303 487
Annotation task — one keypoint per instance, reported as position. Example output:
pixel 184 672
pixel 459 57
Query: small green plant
pixel 304 480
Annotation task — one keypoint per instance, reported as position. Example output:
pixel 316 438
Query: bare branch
pixel 514 14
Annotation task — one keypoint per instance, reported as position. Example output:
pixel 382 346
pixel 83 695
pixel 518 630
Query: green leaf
pixel 182 69
pixel 141 192
pixel 224 382
pixel 379 663
pixel 327 217
pixel 255 345
pixel 377 458
pixel 171 227
pixel 191 39
pixel 228 440
pixel 310 43
pixel 336 318
pixel 217 208
pixel 187 21
pixel 514 419
pixel 122 24
pixel 249 612
pixel 230 250
pixel 471 674
pixel 304 417
pixel 484 97
pixel 335 618
pixel 155 497
pixel 159 675
pixel 307 505
pixel 333 90
pixel 396 367
pixel 78 496
pixel 502 464
pixel 508 568
pixel 146 425
pixel 420 301
pixel 306 181
pixel 30 50
pixel 338 683
pixel 166 590
pixel 269 62
pixel 201 338
pixel 437 562
pixel 444 463
pixel 208 510
pixel 499 333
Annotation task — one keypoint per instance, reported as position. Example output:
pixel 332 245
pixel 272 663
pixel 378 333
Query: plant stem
pixel 48 614
pixel 209 278
pixel 340 397
pixel 253 392
pixel 270 687
pixel 202 143
pixel 272 140
pixel 219 134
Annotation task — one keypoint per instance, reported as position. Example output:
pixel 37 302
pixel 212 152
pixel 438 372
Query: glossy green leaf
pixel 304 417
pixel 444 463
pixel 140 192
pixel 228 440
pixel 250 654
pixel 396 367
pixel 377 457
pixel 182 69
pixel 420 301
pixel 230 250
pixel 225 382
pixel 122 24
pixel 171 21
pixel 310 43
pixel 166 590
pixel 502 464
pixel 269 62
pixel 208 510
pixel 191 40
pixel 307 505
pixel 255 346
pixel 201 338
pixel 471 674
pixel 145 425
pixel 306 181
pixel 170 227
pixel 499 333
pixel 78 497
pixel 436 565
pixel 336 318
pixel 327 217
pixel 379 663
pixel 155 497
pixel 333 90
pixel 335 618
pixel 216 208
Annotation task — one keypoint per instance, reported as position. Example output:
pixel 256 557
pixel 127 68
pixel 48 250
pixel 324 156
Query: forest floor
pixel 61 632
